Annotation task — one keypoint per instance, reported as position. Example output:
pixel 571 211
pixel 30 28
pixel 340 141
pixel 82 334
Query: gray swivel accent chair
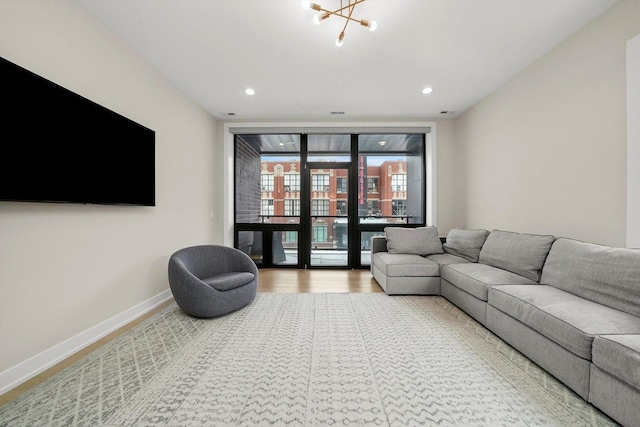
pixel 212 280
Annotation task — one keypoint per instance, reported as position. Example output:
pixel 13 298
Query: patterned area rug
pixel 306 359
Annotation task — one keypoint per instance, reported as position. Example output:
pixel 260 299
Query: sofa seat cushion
pixel 228 281
pixel 568 320
pixel 444 259
pixel 405 265
pixel 619 355
pixel 476 279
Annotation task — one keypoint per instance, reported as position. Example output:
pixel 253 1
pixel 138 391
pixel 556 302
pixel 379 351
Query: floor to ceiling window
pixel 316 200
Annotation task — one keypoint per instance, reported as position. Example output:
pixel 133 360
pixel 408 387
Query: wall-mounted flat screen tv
pixel 57 146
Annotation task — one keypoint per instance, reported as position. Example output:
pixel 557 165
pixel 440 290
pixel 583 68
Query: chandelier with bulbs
pixel 344 11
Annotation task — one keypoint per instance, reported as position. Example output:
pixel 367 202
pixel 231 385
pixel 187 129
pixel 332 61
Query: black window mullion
pixel 352 219
pixel 304 244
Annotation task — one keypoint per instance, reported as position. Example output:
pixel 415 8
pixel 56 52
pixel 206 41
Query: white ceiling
pixel 464 49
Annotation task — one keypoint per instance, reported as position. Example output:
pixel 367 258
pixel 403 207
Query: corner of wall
pixel 633 142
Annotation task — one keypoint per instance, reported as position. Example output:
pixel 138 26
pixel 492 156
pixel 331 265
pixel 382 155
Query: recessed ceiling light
pixel 249 91
pixel 382 142
pixel 427 90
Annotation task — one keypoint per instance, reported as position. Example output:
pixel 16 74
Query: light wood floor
pixel 277 280
pixel 316 281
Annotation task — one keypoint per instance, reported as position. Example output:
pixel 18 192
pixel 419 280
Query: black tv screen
pixel 57 146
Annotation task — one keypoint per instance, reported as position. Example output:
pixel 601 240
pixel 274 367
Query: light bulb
pixel 249 91
pixel 427 90
pixel 306 5
pixel 316 19
pixel 373 25
pixel 339 39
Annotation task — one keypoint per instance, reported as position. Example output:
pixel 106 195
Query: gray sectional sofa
pixel 571 307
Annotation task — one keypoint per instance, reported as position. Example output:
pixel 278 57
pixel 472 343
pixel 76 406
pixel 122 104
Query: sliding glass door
pixel 328 220
pixel 313 201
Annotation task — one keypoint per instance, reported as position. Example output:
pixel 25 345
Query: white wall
pixel 633 143
pixel 67 269
pixel 546 152
pixel 448 214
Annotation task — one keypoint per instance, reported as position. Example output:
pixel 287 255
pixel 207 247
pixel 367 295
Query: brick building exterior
pixel 382 192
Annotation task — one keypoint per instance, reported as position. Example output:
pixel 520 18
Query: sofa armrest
pixel 378 244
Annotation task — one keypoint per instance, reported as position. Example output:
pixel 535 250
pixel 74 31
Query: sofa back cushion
pixel 417 241
pixel 608 276
pixel 523 254
pixel 465 243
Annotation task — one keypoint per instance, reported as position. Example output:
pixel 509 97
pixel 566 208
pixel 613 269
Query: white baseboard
pixel 23 371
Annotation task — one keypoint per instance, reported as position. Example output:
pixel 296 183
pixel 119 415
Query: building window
pixel 342 185
pixel 341 207
pixel 372 185
pixel 399 182
pixel 266 182
pixel 320 207
pixel 291 236
pixel 292 207
pixel 320 182
pixel 398 207
pixel 373 207
pixel 267 207
pixel 320 233
pixel 292 182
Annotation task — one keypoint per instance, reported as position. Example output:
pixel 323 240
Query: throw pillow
pixel 465 243
pixel 523 254
pixel 417 241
